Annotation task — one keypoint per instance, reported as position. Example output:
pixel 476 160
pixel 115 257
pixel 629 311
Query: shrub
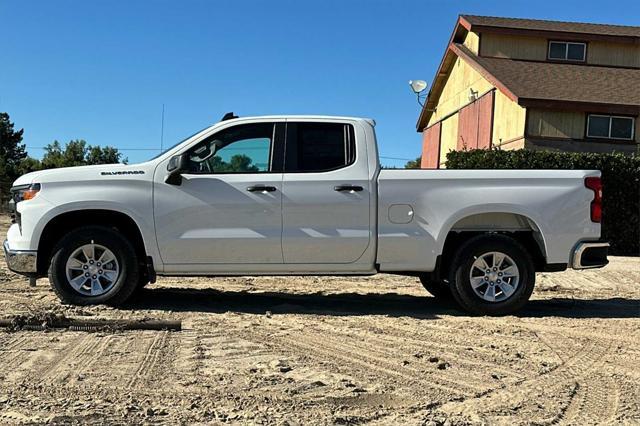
pixel 620 180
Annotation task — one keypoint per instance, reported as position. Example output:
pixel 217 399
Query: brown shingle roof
pixel 555 26
pixel 561 81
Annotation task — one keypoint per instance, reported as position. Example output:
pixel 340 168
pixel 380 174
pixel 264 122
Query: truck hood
pixel 81 173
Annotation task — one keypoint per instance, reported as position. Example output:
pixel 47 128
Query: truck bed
pixel 418 208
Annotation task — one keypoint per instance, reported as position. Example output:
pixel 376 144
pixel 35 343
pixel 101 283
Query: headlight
pixel 25 192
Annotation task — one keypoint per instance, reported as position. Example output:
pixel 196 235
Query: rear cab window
pixel 318 147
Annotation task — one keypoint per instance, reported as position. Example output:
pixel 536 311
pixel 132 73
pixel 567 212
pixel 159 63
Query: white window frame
pixel 566 51
pixel 611 117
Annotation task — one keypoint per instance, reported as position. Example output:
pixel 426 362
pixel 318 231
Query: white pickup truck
pixel 300 195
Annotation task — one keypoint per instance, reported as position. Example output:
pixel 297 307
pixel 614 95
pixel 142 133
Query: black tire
pixel 126 281
pixel 438 289
pixel 461 287
pixel 143 281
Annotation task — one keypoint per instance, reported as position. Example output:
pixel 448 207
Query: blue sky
pixel 101 70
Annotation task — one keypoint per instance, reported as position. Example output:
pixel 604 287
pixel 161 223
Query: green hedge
pixel 620 180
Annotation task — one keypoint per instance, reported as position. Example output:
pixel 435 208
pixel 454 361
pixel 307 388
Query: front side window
pixel 567 51
pixel 610 127
pixel 239 149
pixel 319 147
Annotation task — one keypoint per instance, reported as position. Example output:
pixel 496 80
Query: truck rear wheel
pixel 94 265
pixel 492 275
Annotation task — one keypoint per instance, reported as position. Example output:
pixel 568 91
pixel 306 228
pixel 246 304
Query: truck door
pixel 228 208
pixel 326 194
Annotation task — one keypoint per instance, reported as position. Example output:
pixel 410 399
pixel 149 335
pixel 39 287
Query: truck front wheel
pixel 492 275
pixel 438 289
pixel 94 265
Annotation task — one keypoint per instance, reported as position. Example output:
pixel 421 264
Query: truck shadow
pixel 355 304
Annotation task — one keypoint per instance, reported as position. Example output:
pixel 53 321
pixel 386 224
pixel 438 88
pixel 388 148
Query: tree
pixel 237 163
pixel 28 165
pixel 78 153
pixel 75 153
pixel 242 163
pixel 106 155
pixel 413 164
pixel 12 150
pixel 53 156
pixel 15 162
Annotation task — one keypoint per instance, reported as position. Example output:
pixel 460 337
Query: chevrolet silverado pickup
pixel 301 195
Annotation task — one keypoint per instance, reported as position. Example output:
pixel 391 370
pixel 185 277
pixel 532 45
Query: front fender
pixel 144 223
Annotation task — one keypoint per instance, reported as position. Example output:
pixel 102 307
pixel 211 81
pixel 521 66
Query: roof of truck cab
pixel 304 117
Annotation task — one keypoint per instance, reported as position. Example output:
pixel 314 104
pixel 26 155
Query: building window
pixel 610 127
pixel 567 51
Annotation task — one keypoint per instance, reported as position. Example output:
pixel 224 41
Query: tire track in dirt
pixel 12 354
pixel 483 330
pixel 149 353
pixel 474 360
pixel 147 366
pixel 195 360
pixel 387 348
pixel 578 369
pixel 596 402
pixel 613 334
pixel 596 398
pixel 190 363
pixel 68 362
pixel 629 405
pixel 521 355
pixel 40 363
pixel 482 343
pixel 361 359
pixel 216 356
pixel 21 299
pixel 15 340
pixel 17 418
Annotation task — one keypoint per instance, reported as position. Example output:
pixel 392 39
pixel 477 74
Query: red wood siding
pixel 468 127
pixel 431 147
pixel 475 122
pixel 485 120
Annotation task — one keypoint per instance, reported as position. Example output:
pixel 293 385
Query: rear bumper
pixel 20 261
pixel 589 255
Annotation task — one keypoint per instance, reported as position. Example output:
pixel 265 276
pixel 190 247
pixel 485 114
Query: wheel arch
pixel 508 221
pixel 59 225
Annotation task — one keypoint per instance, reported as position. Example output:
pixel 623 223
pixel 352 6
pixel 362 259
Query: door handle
pixel 341 188
pixel 261 188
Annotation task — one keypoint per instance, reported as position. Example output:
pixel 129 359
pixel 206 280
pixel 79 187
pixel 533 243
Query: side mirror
pixel 177 165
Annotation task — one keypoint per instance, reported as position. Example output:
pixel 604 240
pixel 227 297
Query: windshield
pixel 177 143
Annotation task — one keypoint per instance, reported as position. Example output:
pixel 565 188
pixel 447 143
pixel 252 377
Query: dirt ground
pixel 375 350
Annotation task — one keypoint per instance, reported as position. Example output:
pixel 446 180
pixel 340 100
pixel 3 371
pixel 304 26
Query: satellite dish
pixel 417 85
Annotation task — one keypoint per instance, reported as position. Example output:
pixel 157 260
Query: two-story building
pixel 524 83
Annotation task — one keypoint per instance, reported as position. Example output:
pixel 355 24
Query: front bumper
pixel 589 255
pixel 19 261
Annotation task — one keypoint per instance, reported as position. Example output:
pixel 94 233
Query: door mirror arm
pixel 176 167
